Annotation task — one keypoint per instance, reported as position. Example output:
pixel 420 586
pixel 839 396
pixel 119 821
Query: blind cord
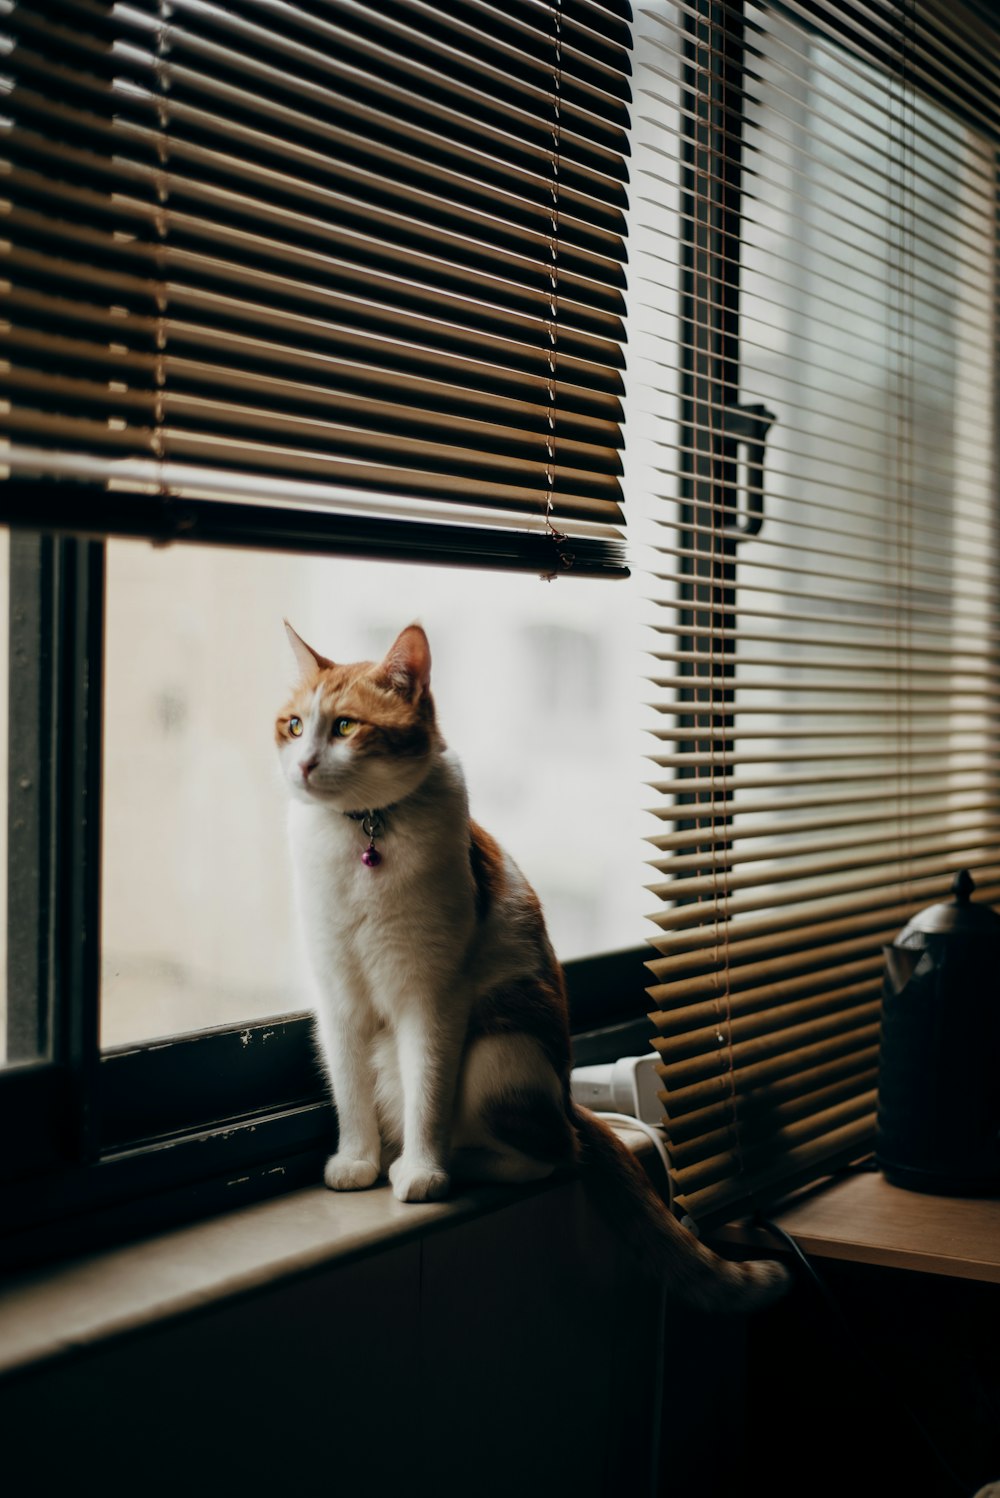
pixel 863 1354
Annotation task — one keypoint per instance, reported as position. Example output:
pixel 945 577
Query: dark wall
pixel 892 1387
pixel 507 1356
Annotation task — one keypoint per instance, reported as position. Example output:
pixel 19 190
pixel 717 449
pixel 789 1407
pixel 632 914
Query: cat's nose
pixel 308 765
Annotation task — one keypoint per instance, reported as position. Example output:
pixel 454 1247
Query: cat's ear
pixel 307 659
pixel 407 667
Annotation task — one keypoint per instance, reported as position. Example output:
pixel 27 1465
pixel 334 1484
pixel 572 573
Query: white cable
pixel 651 1131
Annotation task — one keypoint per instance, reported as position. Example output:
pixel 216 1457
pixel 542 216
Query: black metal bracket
pixel 747 427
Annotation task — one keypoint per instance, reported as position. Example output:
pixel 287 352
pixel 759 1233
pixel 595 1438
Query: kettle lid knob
pixel 961 916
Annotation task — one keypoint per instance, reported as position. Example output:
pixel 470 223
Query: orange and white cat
pixel 440 1006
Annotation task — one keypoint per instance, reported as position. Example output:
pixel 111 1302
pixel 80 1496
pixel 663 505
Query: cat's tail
pixel 689 1270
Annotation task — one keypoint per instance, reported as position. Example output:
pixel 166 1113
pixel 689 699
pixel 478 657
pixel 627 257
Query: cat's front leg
pixel 429 1044
pixel 346 1044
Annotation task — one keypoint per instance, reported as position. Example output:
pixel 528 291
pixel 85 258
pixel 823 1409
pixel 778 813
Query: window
pixel 818 251
pixel 227 222
pixel 339 284
pixel 198 928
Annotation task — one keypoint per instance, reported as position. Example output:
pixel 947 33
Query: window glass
pixel 867 286
pixel 866 309
pixel 536 689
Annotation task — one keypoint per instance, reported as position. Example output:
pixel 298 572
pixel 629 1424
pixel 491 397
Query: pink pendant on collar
pixel 373 826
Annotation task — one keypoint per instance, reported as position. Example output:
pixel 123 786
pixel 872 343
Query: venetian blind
pixel 326 273
pixel 815 270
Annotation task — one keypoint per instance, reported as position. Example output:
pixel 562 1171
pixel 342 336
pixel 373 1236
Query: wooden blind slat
pixel 722 1124
pixel 428 208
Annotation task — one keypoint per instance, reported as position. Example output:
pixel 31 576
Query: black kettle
pixel 938 1121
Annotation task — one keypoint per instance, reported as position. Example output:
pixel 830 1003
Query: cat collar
pixel 373 826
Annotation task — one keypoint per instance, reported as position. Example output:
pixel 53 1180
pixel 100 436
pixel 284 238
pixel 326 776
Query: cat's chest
pixel 417 879
pixel 332 875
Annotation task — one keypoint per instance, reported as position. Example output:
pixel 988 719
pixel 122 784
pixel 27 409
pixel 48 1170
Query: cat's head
pixel 359 737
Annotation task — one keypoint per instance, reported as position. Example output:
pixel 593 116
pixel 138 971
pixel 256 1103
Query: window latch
pixel 746 427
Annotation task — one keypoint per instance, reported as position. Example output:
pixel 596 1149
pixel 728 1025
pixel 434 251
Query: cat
pixel 440 1006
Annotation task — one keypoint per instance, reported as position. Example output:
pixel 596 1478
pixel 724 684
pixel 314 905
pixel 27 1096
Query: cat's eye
pixel 295 727
pixel 344 727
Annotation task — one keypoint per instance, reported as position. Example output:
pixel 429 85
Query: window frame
pixel 156 1166
pixel 48 1101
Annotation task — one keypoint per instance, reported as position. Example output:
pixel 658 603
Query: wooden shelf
pixel 861 1218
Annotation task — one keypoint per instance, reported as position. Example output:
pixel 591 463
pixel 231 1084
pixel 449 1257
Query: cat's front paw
pixel 342 1173
pixel 418 1182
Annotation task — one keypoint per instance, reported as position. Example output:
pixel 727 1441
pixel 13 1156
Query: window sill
pixel 70 1307
pixel 75 1306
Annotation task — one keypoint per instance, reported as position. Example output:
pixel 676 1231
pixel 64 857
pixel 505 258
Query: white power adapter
pixel 629 1085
